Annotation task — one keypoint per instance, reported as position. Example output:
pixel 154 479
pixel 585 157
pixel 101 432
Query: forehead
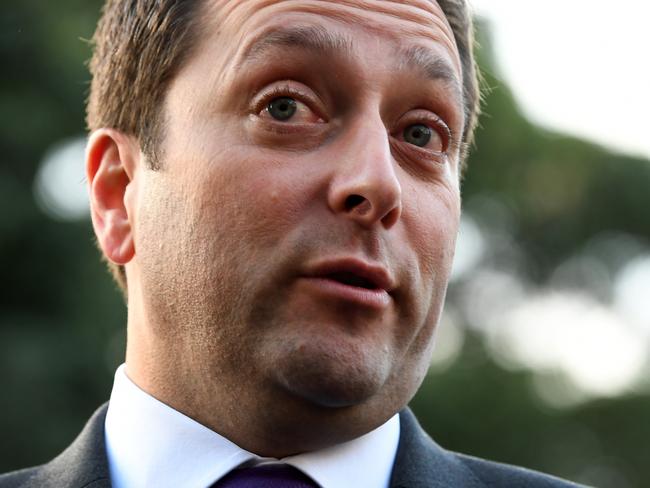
pixel 239 24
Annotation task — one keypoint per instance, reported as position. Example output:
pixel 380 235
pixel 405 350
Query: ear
pixel 112 159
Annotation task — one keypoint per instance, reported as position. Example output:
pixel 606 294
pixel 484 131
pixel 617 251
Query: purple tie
pixel 266 476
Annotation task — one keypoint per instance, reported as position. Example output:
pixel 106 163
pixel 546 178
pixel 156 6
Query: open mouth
pixel 353 272
pixel 351 279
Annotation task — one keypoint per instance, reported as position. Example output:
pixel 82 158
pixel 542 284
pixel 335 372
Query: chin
pixel 344 378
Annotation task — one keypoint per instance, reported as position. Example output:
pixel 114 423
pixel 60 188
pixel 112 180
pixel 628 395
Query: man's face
pixel 297 242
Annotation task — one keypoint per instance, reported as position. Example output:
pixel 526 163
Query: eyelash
pixel 438 125
pixel 262 101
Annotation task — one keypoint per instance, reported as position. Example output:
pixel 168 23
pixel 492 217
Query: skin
pixel 222 324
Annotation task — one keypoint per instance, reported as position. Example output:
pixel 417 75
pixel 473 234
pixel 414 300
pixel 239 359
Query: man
pixel 276 187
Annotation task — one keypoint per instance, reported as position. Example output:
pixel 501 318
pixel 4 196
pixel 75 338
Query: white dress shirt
pixel 149 444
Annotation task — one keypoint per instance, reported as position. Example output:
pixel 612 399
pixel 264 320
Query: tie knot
pixel 266 476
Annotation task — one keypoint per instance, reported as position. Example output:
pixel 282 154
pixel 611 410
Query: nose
pixel 365 187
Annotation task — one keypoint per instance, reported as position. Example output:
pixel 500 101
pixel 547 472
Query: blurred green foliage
pixel 62 320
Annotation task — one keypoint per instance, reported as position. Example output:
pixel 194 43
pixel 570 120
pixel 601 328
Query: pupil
pixel 282 108
pixel 418 135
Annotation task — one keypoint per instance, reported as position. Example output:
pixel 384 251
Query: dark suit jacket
pixel 420 463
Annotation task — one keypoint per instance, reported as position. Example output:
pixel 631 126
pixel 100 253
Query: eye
pixel 288 109
pixel 418 135
pixel 282 108
pixel 426 131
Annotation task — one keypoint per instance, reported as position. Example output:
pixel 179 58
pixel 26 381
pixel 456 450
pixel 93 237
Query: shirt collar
pixel 149 443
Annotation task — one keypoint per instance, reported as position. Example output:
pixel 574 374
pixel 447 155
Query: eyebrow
pixel 432 66
pixel 309 38
pixel 320 40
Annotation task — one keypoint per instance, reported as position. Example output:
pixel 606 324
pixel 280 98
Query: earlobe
pixel 111 165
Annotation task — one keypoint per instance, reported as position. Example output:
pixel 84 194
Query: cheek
pixel 251 196
pixel 430 220
pixel 434 220
pixel 433 229
pixel 237 188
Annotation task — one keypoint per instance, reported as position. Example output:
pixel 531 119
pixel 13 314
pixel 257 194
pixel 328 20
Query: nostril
pixel 353 201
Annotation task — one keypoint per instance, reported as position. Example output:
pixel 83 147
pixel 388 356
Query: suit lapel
pixel 82 464
pixel 421 463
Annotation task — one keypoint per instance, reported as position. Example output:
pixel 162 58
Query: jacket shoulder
pixel 16 479
pixel 421 463
pixel 494 474
pixel 82 465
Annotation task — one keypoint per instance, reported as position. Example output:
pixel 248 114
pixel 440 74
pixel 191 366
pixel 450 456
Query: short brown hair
pixel 140 46
pixel 460 19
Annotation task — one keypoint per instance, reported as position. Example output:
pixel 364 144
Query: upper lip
pixel 374 275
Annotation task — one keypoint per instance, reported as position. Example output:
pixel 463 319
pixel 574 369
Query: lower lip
pixel 375 298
